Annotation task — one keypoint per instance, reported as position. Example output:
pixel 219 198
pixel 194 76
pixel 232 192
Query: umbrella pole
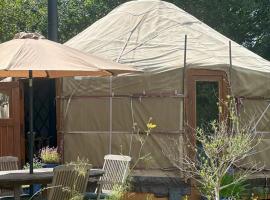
pixel 31 131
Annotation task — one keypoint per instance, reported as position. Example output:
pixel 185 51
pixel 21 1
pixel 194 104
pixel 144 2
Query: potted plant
pixel 49 157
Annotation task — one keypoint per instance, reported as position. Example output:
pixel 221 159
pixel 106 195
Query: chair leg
pixel 99 189
pixel 17 192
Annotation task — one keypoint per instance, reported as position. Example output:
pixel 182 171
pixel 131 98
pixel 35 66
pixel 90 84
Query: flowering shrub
pixel 49 155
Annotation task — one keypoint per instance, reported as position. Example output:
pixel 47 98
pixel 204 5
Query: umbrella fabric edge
pixel 52 73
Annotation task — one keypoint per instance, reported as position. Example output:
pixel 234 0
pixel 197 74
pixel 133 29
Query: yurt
pixel 181 58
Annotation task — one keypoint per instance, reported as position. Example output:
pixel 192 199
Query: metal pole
pixel 52 20
pixel 110 140
pixel 185 63
pixel 31 123
pixel 184 80
pixel 31 127
pixel 230 69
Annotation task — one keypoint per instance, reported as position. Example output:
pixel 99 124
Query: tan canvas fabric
pixel 255 113
pixel 161 83
pixel 87 128
pixel 149 34
pixel 94 146
pixel 250 84
pixel 92 114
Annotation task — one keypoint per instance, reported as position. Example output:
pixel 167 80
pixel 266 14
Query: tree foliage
pixel 21 15
pixel 245 21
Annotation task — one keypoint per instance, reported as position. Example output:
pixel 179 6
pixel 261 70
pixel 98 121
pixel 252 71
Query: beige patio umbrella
pixel 31 55
pixel 31 51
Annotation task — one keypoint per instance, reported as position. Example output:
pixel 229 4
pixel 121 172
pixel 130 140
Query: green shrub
pixel 235 190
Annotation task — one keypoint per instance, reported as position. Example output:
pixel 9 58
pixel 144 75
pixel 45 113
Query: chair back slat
pixel 68 181
pixel 8 163
pixel 116 169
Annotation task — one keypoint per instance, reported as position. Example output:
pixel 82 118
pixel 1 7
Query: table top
pixel 40 176
pixel 26 171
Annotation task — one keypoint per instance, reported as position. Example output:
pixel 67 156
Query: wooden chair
pixel 8 163
pixel 68 180
pixel 116 169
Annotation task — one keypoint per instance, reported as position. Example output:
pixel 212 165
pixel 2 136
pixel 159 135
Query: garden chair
pixel 116 169
pixel 8 163
pixel 68 181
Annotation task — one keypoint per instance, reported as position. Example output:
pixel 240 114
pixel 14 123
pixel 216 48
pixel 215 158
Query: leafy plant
pixel 49 155
pixel 118 192
pixel 36 164
pixel 233 191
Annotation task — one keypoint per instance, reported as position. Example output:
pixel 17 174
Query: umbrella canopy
pixel 31 51
pixel 31 55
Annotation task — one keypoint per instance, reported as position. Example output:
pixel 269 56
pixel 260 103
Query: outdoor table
pixel 14 179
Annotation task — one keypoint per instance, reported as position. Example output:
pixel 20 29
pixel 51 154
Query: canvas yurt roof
pixel 150 35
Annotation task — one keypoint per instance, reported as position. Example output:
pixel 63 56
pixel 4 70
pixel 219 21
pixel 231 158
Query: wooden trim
pixel 193 75
pixel 4 85
pixel 8 122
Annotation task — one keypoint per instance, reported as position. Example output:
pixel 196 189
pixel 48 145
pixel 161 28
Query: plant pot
pixel 49 165
pixel 36 188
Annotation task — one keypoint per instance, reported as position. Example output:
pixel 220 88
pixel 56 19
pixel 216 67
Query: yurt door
pixel 11 124
pixel 205 89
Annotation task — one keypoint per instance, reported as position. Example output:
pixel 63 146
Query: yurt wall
pixel 99 115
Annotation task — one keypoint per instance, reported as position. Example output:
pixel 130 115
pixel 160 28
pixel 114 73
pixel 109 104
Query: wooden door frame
pixel 193 75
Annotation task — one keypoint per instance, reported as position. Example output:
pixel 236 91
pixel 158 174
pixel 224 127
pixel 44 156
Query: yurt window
pixel 207 97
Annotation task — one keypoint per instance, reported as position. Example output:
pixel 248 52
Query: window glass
pixel 207 97
pixel 4 106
